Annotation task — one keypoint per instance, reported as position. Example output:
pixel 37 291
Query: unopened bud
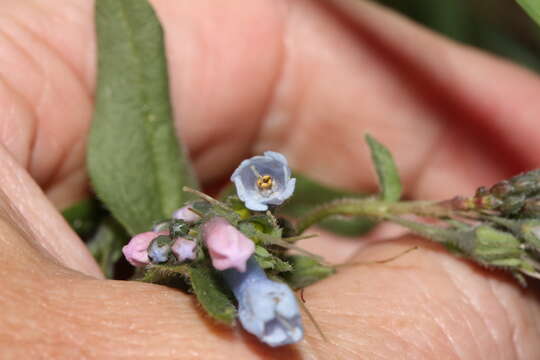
pixel 501 189
pixel 159 249
pixel 493 247
pixel 530 232
pixel 531 207
pixel 512 204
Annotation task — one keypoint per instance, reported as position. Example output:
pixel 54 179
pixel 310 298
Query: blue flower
pixel 266 308
pixel 263 180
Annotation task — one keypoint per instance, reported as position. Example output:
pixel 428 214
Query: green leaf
pixel 135 163
pixel 84 216
pixel 387 172
pixel 308 194
pixel 306 271
pixel 211 295
pixel 532 7
pixel 106 245
pixel 268 261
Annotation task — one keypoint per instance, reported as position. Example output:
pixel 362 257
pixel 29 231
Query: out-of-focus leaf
pixel 210 293
pixel 84 216
pixel 135 163
pixel 106 245
pixel 532 7
pixel 498 26
pixel 387 171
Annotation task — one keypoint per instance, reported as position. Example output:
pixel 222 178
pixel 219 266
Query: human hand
pixel 305 78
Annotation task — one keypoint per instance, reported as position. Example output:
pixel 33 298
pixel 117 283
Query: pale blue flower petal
pixel 277 156
pixel 255 205
pixel 289 189
pixel 246 175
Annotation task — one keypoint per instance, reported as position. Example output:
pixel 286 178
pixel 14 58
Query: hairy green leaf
pixel 106 245
pixel 305 272
pixel 268 261
pixel 166 275
pixel 211 294
pixel 387 172
pixel 135 163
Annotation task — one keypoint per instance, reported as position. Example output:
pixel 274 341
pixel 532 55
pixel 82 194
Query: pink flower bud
pixel 185 214
pixel 184 249
pixel 136 251
pixel 228 247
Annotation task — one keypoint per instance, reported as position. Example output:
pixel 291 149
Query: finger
pixel 23 204
pixel 48 52
pixel 425 304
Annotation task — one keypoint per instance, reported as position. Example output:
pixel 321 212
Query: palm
pixel 299 77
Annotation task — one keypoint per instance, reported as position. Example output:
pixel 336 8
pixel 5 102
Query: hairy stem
pixel 374 208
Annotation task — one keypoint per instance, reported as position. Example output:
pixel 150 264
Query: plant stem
pixel 374 208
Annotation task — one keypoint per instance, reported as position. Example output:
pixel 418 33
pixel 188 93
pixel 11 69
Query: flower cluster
pixel 267 309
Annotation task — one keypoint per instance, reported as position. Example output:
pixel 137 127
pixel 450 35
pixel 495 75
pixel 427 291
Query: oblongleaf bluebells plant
pixel 245 250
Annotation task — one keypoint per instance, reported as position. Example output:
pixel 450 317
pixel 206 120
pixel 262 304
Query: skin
pixel 306 78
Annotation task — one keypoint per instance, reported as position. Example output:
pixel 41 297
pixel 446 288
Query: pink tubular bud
pixel 184 249
pixel 228 247
pixel 136 251
pixel 185 214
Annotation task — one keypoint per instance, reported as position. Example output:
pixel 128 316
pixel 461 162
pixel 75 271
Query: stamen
pixel 265 182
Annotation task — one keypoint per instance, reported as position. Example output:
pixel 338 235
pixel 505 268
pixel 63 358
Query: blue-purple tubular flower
pixel 263 180
pixel 266 308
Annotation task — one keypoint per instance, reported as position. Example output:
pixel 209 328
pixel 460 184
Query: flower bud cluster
pixel 517 196
pixel 160 246
pixel 228 237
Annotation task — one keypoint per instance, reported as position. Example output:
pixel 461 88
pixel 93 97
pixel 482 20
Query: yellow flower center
pixel 265 182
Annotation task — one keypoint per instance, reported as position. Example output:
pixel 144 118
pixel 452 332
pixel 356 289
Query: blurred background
pixel 499 26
